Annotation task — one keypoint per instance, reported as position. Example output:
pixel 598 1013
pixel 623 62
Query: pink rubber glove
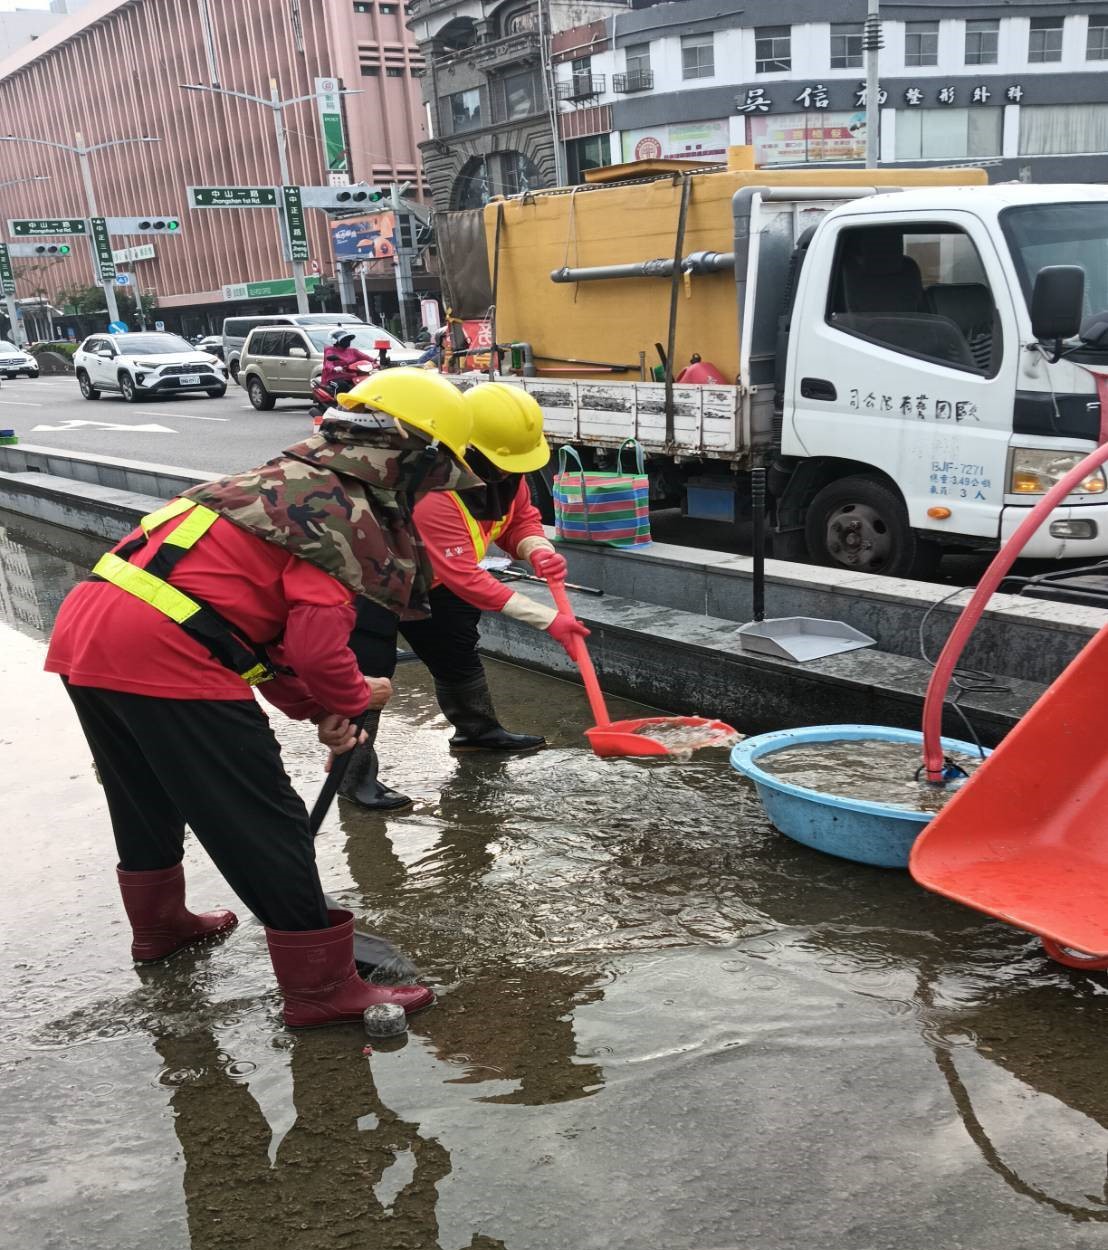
pixel 549 564
pixel 568 631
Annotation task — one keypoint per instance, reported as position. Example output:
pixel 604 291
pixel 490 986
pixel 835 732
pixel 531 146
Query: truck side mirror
pixel 1057 303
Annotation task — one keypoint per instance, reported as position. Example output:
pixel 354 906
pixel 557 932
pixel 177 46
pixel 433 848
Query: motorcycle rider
pixel 339 359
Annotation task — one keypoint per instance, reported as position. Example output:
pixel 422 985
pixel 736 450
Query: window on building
pixel 417 71
pixel 981 42
pixel 921 43
pixel 521 95
pixel 1096 47
pixel 387 10
pixel 521 21
pixel 1045 40
pixel 698 56
pixel 581 70
pixel 948 133
pixel 772 49
pixel 465 109
pixel 395 71
pixel 361 7
pixel 800 138
pixel 370 71
pixel 1049 129
pixel 591 153
pixel 920 290
pixel 638 58
pixel 846 45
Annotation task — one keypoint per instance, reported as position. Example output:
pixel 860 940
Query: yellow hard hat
pixel 507 427
pixel 425 401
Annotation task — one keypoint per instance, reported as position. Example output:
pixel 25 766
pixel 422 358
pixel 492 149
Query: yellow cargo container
pixel 614 320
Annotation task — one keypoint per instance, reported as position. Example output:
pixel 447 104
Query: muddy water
pixel 873 770
pixel 660 1023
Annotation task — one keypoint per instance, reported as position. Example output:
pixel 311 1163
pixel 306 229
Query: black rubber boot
pixel 360 785
pixel 469 709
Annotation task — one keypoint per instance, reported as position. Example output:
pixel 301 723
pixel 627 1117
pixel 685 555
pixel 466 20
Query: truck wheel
pixel 861 524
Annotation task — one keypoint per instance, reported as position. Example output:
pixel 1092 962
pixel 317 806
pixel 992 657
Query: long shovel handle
pixel 333 780
pixel 588 673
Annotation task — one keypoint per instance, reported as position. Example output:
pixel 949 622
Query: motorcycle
pixel 323 395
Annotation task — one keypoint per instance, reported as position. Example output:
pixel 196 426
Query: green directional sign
pixel 233 197
pixel 102 246
pixel 294 223
pixel 48 226
pixel 7 278
pixel 273 289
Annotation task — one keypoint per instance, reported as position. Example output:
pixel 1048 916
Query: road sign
pixel 117 327
pixel 329 100
pixel 294 223
pixel 159 325
pixel 338 179
pixel 126 255
pixel 265 290
pixel 102 246
pixel 315 267
pixel 148 223
pixel 123 279
pixel 233 197
pixel 7 278
pixel 47 226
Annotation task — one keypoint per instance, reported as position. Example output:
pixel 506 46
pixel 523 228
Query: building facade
pixel 491 105
pixel 115 70
pixel 1019 85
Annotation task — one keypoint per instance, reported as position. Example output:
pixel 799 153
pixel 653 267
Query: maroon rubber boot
pixel 161 924
pixel 319 982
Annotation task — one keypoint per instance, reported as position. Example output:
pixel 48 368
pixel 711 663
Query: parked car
pixel 212 344
pixel 286 362
pixel 236 329
pixel 141 365
pixel 14 361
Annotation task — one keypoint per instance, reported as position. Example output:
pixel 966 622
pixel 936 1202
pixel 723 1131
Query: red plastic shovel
pixel 632 737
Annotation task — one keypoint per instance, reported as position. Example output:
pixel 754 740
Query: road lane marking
pixel 75 424
pixel 187 416
pixel 21 403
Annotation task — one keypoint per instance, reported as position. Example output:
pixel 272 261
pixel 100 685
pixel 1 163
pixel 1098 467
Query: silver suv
pixel 283 362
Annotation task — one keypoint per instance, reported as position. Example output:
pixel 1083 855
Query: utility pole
pixel 90 201
pixel 871 42
pixel 405 250
pixel 7 278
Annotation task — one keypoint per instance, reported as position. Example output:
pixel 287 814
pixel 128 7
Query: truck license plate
pixel 190 379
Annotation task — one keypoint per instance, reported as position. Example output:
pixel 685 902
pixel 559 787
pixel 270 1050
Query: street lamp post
pixel 82 153
pixel 276 106
pixel 13 309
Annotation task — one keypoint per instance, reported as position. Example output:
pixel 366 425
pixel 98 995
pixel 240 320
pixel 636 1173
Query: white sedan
pixel 142 365
pixel 14 361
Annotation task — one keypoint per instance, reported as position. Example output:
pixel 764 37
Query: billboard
pixel 802 137
pixel 678 141
pixel 372 237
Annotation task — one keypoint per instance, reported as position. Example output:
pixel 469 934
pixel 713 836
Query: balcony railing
pixel 634 80
pixel 580 87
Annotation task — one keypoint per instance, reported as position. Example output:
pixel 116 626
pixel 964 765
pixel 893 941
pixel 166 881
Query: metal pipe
pixel 694 263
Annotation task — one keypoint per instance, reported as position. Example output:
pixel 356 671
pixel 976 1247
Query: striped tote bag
pixel 611 508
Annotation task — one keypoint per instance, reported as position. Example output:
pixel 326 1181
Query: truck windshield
pixel 1061 234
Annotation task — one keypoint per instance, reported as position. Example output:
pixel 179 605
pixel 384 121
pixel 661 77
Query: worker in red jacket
pixel 458 527
pixel 339 358
pixel 242 582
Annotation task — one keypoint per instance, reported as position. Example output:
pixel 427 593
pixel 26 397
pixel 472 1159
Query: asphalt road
pixel 193 432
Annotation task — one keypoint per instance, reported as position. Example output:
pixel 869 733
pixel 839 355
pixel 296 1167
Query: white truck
pixel 911 371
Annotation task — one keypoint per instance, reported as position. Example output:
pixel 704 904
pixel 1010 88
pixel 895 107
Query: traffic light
pixel 337 198
pixel 51 249
pixel 151 223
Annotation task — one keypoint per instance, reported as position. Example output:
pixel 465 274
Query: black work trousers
pixel 446 642
pixel 216 766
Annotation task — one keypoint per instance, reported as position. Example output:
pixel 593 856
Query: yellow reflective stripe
pixel 256 675
pixel 476 534
pixel 159 594
pixel 192 528
pixel 172 509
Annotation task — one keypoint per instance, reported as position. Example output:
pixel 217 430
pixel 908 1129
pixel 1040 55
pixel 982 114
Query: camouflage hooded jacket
pixel 342 500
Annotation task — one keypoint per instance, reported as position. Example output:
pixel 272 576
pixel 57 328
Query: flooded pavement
pixel 661 1024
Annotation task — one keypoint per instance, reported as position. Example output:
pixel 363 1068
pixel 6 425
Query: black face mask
pixel 494 502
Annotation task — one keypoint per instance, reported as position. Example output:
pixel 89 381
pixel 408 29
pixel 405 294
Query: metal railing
pixel 633 80
pixel 580 87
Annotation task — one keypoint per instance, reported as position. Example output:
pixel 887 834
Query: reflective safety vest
pixel 481 538
pixel 224 641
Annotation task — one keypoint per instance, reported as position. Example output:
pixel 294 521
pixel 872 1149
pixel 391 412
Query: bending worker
pixel 242 582
pixel 506 442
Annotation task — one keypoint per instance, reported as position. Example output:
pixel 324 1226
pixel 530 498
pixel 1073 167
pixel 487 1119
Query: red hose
pixel 1003 560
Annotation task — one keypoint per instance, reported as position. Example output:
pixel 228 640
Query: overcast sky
pixel 24 4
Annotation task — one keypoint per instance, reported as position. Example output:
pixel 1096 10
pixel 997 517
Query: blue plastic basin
pixel 869 833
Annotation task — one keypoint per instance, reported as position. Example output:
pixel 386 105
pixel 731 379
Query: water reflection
pixel 34 579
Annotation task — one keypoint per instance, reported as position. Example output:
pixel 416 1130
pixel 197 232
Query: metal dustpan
pixel 796 638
